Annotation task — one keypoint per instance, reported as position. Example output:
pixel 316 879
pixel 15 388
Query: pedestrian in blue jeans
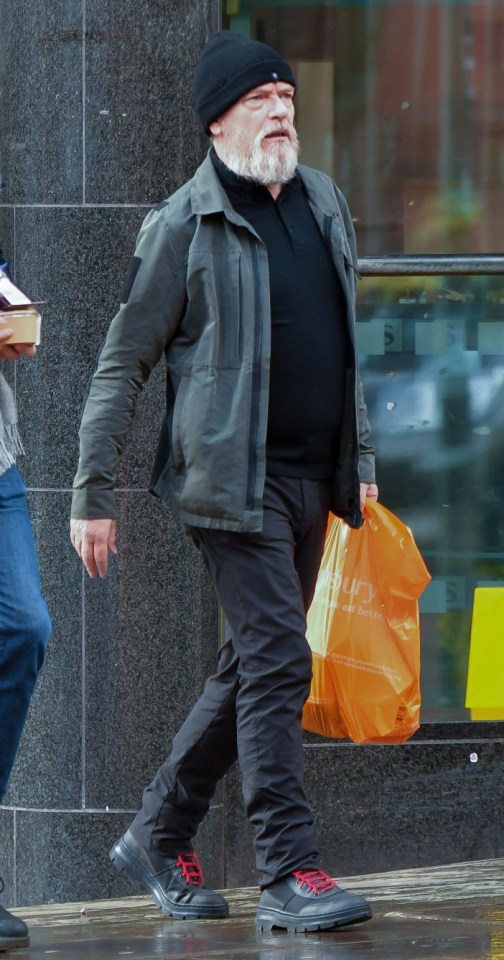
pixel 25 626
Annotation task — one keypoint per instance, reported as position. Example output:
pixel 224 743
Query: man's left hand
pixel 368 490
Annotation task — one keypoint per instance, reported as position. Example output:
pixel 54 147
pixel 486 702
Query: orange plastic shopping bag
pixel 363 629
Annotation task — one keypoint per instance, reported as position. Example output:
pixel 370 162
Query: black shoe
pixel 309 900
pixel 175 883
pixel 13 932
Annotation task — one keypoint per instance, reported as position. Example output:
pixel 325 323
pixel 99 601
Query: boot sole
pixel 268 919
pixel 12 943
pixel 125 862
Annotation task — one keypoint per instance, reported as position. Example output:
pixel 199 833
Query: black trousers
pixel 251 708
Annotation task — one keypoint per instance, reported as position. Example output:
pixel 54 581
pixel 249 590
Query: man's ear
pixel 215 128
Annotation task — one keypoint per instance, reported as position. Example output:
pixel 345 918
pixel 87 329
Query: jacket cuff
pixel 367 468
pixel 93 504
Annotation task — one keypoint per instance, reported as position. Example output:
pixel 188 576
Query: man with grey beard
pixel 245 280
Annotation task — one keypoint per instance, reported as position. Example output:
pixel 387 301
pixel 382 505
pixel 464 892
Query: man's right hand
pixel 93 541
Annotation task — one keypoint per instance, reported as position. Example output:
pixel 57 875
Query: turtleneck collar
pixel 233 183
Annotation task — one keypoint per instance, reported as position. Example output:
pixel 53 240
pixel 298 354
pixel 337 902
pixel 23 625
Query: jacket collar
pixel 207 195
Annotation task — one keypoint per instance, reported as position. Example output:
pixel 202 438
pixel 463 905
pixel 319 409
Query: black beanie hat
pixel 229 66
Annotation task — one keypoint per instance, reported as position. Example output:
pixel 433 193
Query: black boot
pixel 309 900
pixel 176 883
pixel 13 932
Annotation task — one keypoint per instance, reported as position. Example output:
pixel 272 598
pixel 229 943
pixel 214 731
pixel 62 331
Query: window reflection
pixel 402 103
pixel 432 353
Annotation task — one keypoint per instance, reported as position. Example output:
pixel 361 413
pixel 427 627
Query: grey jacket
pixel 200 295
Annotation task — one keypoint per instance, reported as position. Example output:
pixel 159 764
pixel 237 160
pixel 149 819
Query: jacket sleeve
pixel 366 449
pixel 136 339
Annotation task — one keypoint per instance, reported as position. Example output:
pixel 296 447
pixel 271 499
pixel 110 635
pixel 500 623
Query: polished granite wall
pixel 97 126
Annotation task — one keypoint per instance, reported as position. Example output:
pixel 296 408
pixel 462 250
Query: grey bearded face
pixel 275 162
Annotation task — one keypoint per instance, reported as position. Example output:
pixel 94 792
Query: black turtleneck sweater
pixel 309 339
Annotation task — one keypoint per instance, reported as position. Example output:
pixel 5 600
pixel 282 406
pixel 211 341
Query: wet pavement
pixel 447 913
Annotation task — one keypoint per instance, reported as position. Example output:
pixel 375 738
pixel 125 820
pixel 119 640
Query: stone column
pixel 96 126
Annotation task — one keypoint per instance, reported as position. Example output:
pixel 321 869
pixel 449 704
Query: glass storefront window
pixel 402 103
pixel 432 355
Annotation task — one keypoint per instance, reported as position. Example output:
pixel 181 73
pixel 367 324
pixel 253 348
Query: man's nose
pixel 278 106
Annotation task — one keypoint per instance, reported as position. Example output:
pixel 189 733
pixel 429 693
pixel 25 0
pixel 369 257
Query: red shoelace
pixel 191 869
pixel 316 881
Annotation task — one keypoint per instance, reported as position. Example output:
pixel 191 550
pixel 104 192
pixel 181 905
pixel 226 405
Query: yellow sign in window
pixel 485 674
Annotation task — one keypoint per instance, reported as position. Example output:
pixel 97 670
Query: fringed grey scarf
pixel 10 443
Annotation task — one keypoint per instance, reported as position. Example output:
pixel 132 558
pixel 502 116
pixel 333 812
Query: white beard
pixel 275 163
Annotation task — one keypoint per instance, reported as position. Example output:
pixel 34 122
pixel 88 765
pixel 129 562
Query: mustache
pixel 276 128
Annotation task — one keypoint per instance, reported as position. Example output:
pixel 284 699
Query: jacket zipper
pixel 256 381
pixel 327 231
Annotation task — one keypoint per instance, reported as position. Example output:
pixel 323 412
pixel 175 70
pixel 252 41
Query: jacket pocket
pixel 209 443
pixel 215 293
pixel 230 313
pixel 176 430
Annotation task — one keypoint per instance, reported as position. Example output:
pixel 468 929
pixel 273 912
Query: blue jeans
pixel 25 626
